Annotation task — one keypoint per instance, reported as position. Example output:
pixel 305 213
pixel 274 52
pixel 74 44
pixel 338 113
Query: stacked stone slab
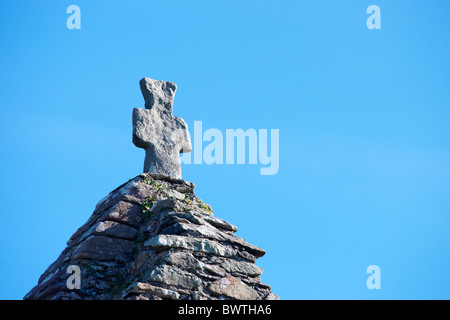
pixel 153 239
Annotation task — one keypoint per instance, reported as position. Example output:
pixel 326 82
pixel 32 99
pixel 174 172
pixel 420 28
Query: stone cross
pixel 155 129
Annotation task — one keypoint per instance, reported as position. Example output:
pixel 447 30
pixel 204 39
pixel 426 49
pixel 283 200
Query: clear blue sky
pixel 363 116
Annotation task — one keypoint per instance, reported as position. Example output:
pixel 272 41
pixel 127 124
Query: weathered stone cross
pixel 155 129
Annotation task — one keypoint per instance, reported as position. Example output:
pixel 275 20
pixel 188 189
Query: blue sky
pixel 363 117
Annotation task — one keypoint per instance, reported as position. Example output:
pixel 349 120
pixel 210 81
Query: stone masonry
pixel 153 239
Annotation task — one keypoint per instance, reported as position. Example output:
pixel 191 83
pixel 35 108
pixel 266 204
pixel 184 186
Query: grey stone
pixel 155 129
pixel 75 238
pixel 163 242
pixel 54 268
pixel 173 276
pixel 143 296
pixel 216 270
pixel 133 191
pixel 122 212
pixel 243 267
pixel 50 291
pixel 271 296
pixel 113 229
pixel 210 232
pixel 232 287
pixel 103 249
pixel 198 295
pixel 175 194
pixel 166 204
pixel 140 287
pixel 184 260
pixel 67 296
pixel 244 254
pixel 140 261
pixel 187 216
pixel 107 202
pixel 125 212
pixel 188 187
pixel 219 223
